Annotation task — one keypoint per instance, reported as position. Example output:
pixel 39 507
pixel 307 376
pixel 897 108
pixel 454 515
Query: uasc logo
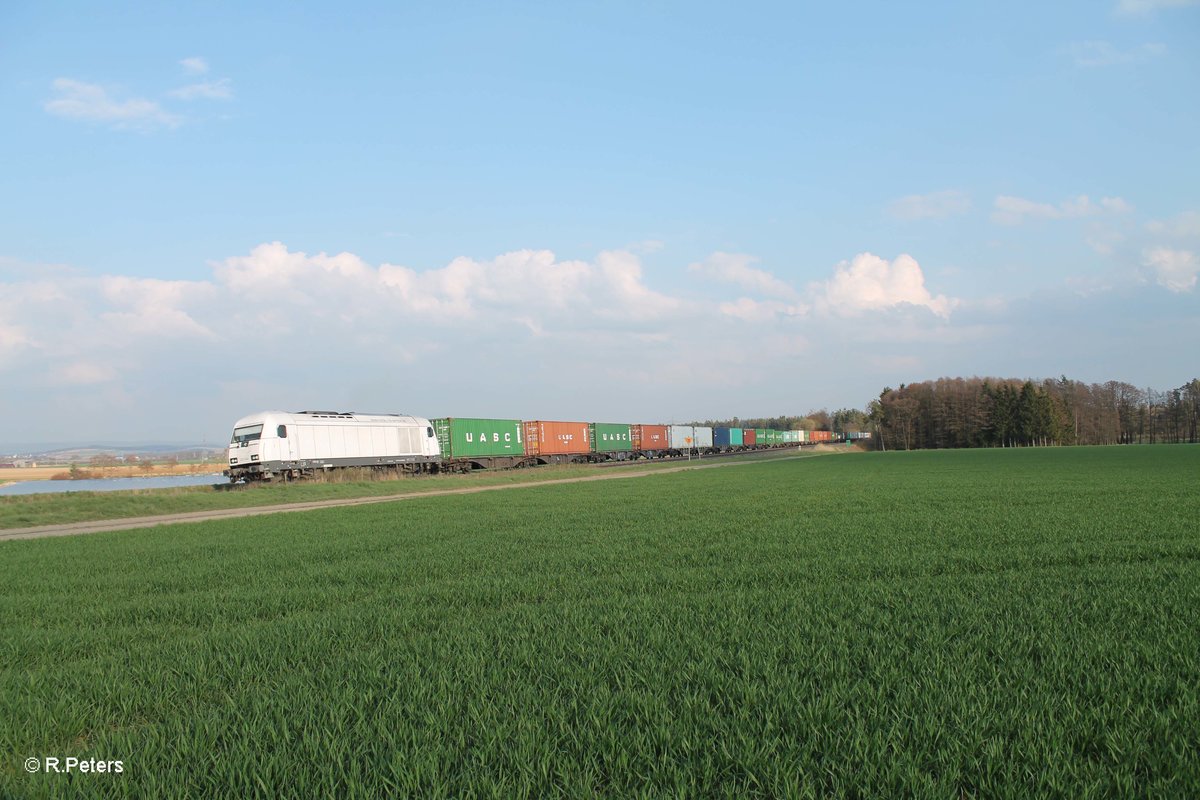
pixel 495 436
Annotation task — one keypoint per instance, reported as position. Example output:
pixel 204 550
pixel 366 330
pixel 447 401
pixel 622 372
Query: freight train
pixel 280 445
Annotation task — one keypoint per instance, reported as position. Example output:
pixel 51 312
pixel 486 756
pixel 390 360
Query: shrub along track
pixel 99 526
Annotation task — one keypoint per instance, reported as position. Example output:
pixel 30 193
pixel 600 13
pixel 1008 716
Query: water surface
pixel 111 484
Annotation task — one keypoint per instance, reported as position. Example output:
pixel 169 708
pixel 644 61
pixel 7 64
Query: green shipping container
pixel 460 437
pixel 608 438
pixel 762 437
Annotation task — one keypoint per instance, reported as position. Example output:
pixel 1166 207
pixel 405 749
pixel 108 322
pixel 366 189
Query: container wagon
pixel 689 439
pixel 557 442
pixel 610 441
pixel 649 441
pixel 727 440
pixel 469 443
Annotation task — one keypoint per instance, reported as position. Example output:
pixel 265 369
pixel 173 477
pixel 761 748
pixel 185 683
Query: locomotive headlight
pixel 254 458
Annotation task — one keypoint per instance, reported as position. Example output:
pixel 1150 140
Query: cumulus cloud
pixel 736 268
pixel 1175 270
pixel 506 335
pixel 503 288
pixel 93 103
pixel 153 307
pixel 1016 210
pixel 870 283
pixel 935 205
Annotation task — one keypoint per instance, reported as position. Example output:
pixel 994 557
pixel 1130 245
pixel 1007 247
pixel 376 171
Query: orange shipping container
pixel 556 438
pixel 649 437
pixel 821 436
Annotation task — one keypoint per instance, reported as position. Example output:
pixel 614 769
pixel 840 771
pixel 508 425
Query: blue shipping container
pixel 727 437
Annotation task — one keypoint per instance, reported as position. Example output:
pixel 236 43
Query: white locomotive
pixel 280 444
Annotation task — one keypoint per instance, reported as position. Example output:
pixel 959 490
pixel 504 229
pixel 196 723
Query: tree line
pixel 844 419
pixel 1005 412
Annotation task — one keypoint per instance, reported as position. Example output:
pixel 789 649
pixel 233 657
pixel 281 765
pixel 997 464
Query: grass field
pixel 18 511
pixel 975 623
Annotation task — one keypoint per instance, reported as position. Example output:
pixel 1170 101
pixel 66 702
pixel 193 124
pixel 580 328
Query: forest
pixel 1008 412
pixel 995 412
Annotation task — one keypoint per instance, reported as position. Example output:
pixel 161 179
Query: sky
pixel 641 212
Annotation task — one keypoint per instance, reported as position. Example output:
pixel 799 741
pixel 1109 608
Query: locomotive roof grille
pixel 343 414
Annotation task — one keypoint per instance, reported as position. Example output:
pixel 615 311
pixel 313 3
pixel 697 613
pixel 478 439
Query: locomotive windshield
pixel 249 433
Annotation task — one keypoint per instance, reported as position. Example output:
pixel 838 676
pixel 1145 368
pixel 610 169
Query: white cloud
pixel 82 373
pixel 93 103
pixel 13 339
pixel 870 283
pixel 503 289
pixel 1175 270
pixel 516 334
pixel 196 65
pixel 748 310
pixel 1184 226
pixel 209 90
pixel 1105 54
pixel 935 205
pixel 152 307
pixel 1015 210
pixel 735 268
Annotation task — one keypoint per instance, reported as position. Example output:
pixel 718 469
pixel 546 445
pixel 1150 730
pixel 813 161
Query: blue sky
pixel 642 212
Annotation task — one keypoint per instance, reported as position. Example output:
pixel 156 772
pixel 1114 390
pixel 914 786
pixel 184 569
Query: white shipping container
pixel 690 437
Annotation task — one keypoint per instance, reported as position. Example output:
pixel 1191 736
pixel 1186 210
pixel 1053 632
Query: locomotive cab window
pixel 429 433
pixel 250 433
pixel 281 431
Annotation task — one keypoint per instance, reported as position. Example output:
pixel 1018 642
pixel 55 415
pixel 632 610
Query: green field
pixel 1007 623
pixel 19 511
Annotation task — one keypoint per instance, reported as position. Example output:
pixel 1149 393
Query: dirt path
pixel 97 526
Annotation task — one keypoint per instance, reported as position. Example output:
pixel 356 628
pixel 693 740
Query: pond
pixel 111 484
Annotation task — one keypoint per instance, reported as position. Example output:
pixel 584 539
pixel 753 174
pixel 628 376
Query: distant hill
pixel 59 452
